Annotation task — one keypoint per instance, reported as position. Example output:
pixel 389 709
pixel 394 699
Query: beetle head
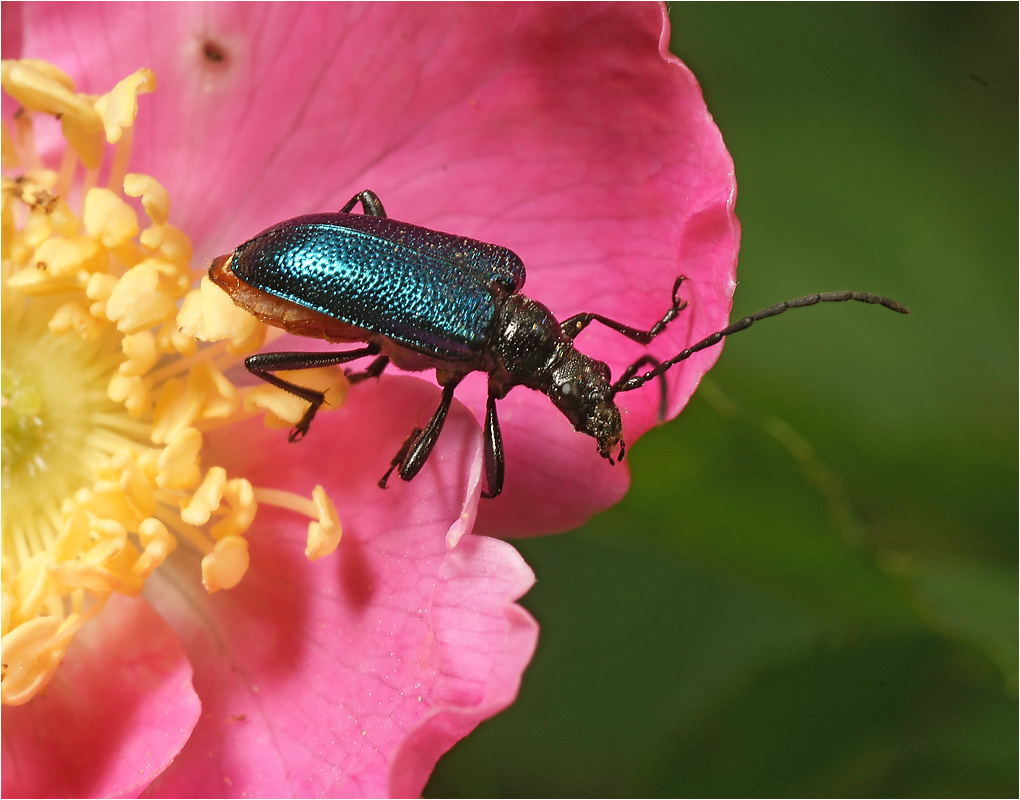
pixel 580 388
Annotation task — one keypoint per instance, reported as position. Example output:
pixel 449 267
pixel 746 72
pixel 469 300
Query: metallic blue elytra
pixel 423 299
pixel 427 290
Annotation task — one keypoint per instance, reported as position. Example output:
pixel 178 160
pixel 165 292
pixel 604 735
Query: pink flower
pixel 567 133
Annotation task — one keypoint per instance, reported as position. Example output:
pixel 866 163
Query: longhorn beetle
pixel 423 299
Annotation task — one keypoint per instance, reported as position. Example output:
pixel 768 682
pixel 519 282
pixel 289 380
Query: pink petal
pixel 476 686
pixel 565 132
pixel 352 675
pixel 116 713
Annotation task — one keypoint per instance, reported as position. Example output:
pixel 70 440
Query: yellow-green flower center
pixel 106 390
pixel 51 447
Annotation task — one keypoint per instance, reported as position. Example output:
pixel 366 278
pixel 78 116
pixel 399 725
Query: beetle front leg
pixel 649 361
pixel 263 365
pixel 370 204
pixel 419 445
pixel 579 322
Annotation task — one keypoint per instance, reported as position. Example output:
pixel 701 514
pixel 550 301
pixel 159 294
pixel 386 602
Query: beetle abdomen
pixel 417 294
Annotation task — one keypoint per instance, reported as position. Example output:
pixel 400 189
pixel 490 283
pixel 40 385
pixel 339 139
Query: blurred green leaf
pixel 976 602
pixel 881 717
pixel 811 588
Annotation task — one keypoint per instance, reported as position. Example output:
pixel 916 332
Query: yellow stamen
pixel 323 535
pixel 323 531
pixel 224 567
pixel 106 390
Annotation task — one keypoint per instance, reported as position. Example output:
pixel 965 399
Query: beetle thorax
pixel 526 344
pixel 530 349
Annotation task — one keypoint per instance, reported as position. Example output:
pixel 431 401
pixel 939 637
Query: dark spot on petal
pixel 213 52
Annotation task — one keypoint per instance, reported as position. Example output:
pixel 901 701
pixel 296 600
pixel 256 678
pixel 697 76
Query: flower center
pixel 105 387
pixel 51 447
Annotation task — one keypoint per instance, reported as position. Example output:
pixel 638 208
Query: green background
pixel 811 588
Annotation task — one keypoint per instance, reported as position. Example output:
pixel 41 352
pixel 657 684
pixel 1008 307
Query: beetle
pixel 422 299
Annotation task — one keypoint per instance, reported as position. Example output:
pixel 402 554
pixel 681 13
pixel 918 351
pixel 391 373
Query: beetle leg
pixel 649 361
pixel 399 457
pixel 493 450
pixel 373 370
pixel 264 365
pixel 577 323
pixel 370 204
pixel 418 446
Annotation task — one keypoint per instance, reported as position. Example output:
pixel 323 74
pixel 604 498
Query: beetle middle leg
pixel 417 447
pixel 373 370
pixel 264 365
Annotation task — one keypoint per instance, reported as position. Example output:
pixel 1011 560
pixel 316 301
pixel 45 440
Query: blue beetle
pixel 421 299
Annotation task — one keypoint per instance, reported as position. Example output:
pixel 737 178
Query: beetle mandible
pixel 421 299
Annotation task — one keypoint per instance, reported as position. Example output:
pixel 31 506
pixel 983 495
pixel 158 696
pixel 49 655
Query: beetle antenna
pixel 629 382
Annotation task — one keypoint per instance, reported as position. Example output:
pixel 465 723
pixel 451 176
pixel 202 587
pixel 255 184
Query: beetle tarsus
pixel 299 431
pixel 398 458
pixel 674 311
